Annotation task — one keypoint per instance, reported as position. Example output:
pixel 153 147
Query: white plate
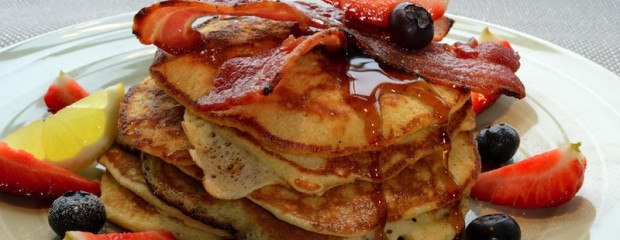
pixel 569 99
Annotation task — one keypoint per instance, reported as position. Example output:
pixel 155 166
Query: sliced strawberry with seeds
pixel 23 174
pixel 544 180
pixel 63 92
pixel 377 12
pixel 151 235
pixel 482 102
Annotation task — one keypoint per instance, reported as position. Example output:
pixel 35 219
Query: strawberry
pixel 23 174
pixel 377 12
pixel 545 180
pixel 482 102
pixel 487 36
pixel 63 92
pixel 151 235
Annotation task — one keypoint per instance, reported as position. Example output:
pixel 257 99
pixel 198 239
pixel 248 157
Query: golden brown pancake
pixel 353 209
pixel 131 212
pixel 308 134
pixel 231 172
pixel 311 119
pixel 259 166
pixel 308 161
pixel 319 174
pixel 244 219
pixel 253 222
pixel 127 170
pixel 150 121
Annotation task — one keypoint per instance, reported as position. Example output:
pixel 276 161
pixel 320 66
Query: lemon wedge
pixel 76 135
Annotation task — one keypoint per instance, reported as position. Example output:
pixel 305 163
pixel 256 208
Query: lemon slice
pixel 76 135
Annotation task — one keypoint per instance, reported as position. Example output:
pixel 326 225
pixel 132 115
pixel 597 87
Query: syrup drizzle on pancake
pixel 367 80
pixel 380 202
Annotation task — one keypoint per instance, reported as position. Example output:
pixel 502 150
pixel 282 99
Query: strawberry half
pixel 63 92
pixel 23 174
pixel 482 102
pixel 545 180
pixel 377 12
pixel 151 235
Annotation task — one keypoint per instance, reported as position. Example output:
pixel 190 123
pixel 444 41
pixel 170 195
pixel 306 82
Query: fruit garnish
pixel 76 135
pixel 377 12
pixel 482 102
pixel 497 144
pixel 63 92
pixel 22 174
pixel 487 36
pixel 493 226
pixel 76 211
pixel 410 26
pixel 150 235
pixel 544 180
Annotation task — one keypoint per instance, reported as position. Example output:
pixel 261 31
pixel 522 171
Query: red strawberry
pixel 545 180
pixel 481 101
pixel 487 36
pixel 63 92
pixel 151 235
pixel 23 174
pixel 377 12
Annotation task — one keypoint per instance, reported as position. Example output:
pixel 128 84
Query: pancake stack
pixel 325 155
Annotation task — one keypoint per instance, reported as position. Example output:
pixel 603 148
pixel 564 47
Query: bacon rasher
pixel 487 68
pixel 484 68
pixel 243 80
pixel 168 24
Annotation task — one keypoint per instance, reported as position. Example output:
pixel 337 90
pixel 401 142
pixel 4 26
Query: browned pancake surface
pixel 150 121
pixel 357 208
pixel 311 118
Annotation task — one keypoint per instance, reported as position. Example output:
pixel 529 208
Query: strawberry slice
pixel 487 36
pixel 482 102
pixel 151 235
pixel 545 180
pixel 23 174
pixel 63 92
pixel 377 12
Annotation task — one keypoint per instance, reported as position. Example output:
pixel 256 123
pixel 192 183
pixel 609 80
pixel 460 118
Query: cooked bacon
pixel 441 27
pixel 484 68
pixel 244 80
pixel 168 24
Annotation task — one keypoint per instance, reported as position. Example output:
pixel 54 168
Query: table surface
pixel 589 28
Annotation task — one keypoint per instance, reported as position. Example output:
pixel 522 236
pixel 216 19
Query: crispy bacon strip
pixel 168 24
pixel 244 80
pixel 441 27
pixel 486 68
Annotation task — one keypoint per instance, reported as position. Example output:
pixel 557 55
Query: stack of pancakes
pixel 305 162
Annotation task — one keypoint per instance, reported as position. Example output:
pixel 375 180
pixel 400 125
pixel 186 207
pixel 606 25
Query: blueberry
pixel 76 211
pixel 497 144
pixel 493 227
pixel 411 26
